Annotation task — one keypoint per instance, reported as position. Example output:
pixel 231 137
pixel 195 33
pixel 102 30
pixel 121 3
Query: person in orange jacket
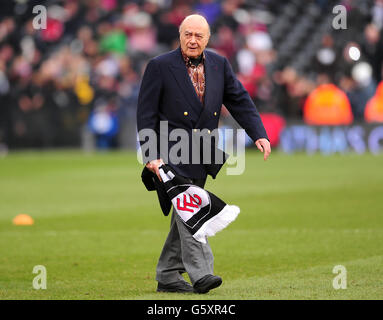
pixel 374 107
pixel 327 105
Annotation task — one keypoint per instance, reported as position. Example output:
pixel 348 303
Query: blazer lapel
pixel 181 75
pixel 211 73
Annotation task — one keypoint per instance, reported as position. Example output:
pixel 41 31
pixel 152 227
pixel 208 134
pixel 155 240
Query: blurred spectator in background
pixel 226 18
pixel 372 47
pixel 292 92
pixel 359 86
pixel 224 42
pixel 327 105
pixel 377 14
pixel 210 9
pixel 374 107
pixel 326 57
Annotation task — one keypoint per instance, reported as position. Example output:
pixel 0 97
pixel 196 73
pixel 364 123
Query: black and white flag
pixel 203 213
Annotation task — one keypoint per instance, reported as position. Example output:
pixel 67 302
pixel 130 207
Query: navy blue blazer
pixel 167 94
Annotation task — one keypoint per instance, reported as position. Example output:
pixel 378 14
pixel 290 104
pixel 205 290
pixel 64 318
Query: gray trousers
pixel 182 253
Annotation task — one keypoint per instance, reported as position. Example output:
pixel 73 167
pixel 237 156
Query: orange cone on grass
pixel 23 220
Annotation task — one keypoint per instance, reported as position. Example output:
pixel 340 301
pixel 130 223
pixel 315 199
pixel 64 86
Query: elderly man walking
pixel 186 88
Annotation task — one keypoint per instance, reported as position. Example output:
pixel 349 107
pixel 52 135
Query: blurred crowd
pixel 78 79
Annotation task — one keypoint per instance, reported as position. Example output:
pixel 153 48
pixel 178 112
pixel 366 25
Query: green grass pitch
pixel 99 233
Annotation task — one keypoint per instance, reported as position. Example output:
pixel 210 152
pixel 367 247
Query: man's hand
pixel 154 165
pixel 264 146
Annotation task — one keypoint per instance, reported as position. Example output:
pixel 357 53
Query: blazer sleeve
pixel 237 100
pixel 149 101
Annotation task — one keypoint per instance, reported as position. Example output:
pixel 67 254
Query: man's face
pixel 194 36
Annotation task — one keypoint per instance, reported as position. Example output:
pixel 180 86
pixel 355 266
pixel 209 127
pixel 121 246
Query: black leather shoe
pixel 206 283
pixel 178 287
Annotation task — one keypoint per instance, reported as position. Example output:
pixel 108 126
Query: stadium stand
pixel 76 82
